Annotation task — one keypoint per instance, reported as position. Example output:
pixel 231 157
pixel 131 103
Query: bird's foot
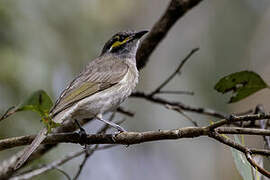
pixel 82 133
pixel 112 124
pixel 119 128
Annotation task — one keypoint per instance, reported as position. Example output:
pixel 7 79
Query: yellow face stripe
pixel 118 43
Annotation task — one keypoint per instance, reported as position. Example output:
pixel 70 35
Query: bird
pixel 101 87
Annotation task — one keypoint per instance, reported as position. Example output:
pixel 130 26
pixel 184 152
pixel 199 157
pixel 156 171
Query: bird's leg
pixel 82 133
pixel 116 126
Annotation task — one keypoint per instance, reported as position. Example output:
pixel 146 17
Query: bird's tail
pixel 31 148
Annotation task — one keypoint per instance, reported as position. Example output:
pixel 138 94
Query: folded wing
pixel 99 75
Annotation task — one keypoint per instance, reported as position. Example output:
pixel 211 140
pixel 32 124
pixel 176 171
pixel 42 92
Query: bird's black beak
pixel 139 34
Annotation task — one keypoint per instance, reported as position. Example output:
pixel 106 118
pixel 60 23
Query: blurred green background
pixel 44 44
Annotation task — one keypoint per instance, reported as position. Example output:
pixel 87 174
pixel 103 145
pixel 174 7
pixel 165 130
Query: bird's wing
pixel 100 74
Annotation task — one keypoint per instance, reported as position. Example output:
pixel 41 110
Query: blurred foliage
pixel 5 28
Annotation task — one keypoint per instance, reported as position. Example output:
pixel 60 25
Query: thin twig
pixel 179 106
pixel 263 152
pixel 256 166
pixel 239 130
pixel 81 167
pixel 263 124
pixel 88 153
pixel 157 90
pixel 232 119
pixel 8 113
pixel 184 115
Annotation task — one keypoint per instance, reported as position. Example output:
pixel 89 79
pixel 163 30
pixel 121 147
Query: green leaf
pixel 242 84
pixel 242 165
pixel 39 102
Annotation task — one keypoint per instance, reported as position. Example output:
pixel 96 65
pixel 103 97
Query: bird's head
pixel 123 43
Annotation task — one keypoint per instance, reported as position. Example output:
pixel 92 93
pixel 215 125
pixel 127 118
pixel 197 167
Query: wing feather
pixel 100 74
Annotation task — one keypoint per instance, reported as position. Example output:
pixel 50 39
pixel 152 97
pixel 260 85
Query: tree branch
pixel 125 138
pixel 241 148
pixel 128 138
pixel 239 130
pixel 175 10
pixel 233 119
pixel 177 106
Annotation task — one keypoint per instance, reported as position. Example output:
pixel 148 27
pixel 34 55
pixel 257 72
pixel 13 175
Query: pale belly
pixel 102 102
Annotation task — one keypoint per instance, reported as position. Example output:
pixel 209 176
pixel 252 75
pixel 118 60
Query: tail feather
pixel 31 148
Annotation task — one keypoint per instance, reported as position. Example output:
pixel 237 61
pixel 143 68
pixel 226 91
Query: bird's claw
pixel 82 134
